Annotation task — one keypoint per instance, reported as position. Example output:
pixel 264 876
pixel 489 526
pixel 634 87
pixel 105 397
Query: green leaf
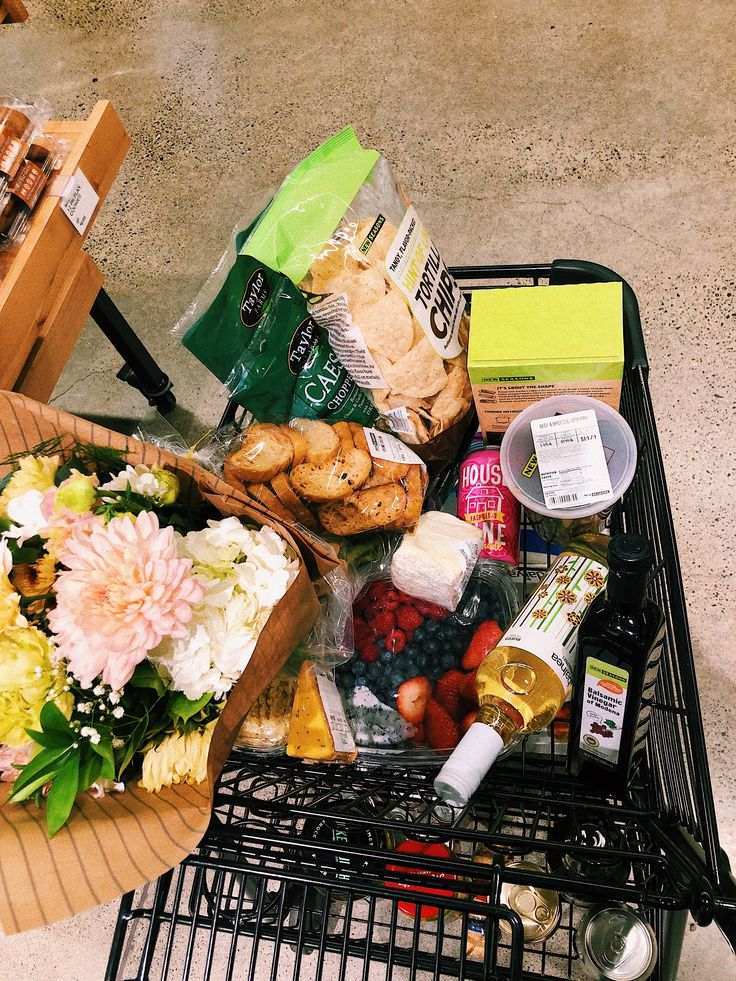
pixel 89 770
pixel 53 719
pixel 53 739
pixel 37 772
pixel 132 744
pixel 61 797
pixel 146 676
pixel 181 707
pixel 26 555
pixel 104 750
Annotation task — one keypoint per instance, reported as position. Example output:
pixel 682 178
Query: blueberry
pixel 448 661
pixel 422 660
pixel 396 678
pixel 360 670
pixel 458 644
pixel 420 633
pixel 484 610
pixel 374 669
pixel 432 627
pixel 431 647
pixel 386 657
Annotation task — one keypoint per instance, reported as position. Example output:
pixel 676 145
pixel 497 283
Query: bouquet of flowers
pixel 126 618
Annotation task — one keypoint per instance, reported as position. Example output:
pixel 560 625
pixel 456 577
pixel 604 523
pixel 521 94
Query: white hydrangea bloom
pixel 141 479
pixel 246 572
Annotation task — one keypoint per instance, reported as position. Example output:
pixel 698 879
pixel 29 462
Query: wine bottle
pixel 619 651
pixel 524 681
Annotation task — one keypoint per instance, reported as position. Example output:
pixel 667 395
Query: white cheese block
pixel 434 562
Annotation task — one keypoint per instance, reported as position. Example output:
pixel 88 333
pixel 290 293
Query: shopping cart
pixel 263 892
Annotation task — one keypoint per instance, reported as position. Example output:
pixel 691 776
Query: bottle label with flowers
pixel 548 624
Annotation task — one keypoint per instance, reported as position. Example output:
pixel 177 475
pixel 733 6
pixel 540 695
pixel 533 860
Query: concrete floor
pixel 524 132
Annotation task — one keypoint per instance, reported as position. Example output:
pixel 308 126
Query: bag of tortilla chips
pixel 341 228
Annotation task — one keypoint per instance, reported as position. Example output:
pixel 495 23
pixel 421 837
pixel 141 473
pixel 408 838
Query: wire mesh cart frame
pixel 263 890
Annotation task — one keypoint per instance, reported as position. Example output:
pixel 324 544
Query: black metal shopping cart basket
pixel 264 893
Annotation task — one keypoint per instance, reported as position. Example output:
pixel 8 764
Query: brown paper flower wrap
pixel 117 843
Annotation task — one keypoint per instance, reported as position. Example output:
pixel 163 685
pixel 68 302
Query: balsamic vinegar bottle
pixel 620 646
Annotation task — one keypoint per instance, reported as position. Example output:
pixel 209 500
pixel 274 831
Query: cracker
pixel 344 435
pixel 323 443
pixel 263 452
pixel 285 493
pixel 416 483
pixel 297 441
pixel 334 480
pixel 364 510
pixel 386 328
pixel 419 374
pixel 358 436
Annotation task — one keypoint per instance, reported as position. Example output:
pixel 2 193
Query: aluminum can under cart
pixel 616 944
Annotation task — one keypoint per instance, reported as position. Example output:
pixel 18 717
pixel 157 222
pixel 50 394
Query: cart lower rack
pixel 262 892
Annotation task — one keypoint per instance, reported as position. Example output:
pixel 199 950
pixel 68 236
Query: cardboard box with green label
pixel 528 343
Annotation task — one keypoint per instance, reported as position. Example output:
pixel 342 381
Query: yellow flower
pixel 37 578
pixel 169 484
pixel 10 615
pixel 27 678
pixel 77 493
pixel 33 473
pixel 178 759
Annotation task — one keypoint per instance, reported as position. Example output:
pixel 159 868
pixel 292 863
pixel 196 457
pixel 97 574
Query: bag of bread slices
pixel 340 477
pixel 343 232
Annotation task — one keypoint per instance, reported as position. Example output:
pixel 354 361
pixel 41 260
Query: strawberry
pixel 431 610
pixel 377 589
pixel 361 631
pixel 383 623
pixel 470 688
pixel 368 651
pixel 408 618
pixel 467 721
pixel 395 641
pixel 485 638
pixel 411 699
pixel 442 733
pixel 448 692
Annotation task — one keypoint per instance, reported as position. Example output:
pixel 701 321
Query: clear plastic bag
pixel 343 231
pixel 330 643
pixel 411 654
pixel 340 477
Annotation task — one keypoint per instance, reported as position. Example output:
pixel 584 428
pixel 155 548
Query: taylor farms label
pixel 416 267
pixel 548 624
pixel 604 704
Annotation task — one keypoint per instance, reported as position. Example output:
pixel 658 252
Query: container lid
pixel 619 944
pixel 538 907
pixel 518 465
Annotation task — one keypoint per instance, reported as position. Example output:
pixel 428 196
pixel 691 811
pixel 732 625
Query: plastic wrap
pixel 412 654
pixel 341 478
pixel 342 230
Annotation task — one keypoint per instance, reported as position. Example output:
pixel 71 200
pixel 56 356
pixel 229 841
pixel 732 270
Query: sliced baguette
pixel 264 452
pixel 334 480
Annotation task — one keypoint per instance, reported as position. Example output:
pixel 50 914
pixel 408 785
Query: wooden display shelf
pixel 12 12
pixel 50 284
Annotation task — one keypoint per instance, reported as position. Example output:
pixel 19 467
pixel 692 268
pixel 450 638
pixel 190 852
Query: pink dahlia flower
pixel 123 590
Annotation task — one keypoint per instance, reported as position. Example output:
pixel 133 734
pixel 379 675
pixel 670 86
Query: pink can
pixel 484 500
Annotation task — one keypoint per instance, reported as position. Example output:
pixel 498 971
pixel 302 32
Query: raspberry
pixel 431 610
pixel 408 618
pixel 383 623
pixel 368 651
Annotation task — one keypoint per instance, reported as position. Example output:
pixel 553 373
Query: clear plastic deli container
pixel 518 465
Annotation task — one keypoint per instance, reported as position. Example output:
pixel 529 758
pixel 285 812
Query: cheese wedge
pixel 319 729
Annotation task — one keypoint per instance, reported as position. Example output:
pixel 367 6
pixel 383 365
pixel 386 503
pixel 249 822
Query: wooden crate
pixel 12 11
pixel 51 283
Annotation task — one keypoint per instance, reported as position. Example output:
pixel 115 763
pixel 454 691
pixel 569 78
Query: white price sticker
pixel 384 446
pixel 79 201
pixel 571 459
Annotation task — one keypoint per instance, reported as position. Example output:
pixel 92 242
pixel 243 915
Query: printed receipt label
pixel 571 460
